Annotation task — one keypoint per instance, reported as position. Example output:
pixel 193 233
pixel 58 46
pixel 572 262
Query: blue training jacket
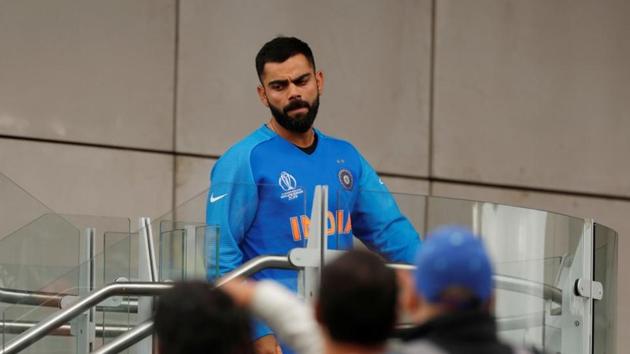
pixel 261 194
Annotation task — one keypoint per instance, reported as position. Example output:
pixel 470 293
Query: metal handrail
pixel 47 299
pixel 127 288
pixel 501 282
pixel 105 331
pixel 127 339
pixel 25 297
pixel 256 264
pixel 57 319
pixel 248 268
pixel 145 329
pixel 529 287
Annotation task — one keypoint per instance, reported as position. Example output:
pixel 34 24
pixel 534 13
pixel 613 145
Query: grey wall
pixel 120 108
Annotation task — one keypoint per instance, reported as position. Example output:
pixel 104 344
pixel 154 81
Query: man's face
pixel 291 90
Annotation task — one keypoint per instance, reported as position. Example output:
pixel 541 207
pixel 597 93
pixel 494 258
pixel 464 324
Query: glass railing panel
pixel 172 244
pixel 69 286
pixel 537 257
pixel 119 264
pixel 539 248
pixel 39 252
pixel 17 207
pixel 112 263
pixel 605 272
pixel 188 251
pixel 543 251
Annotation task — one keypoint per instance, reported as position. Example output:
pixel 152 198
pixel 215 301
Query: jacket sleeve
pixel 378 222
pixel 292 320
pixel 230 209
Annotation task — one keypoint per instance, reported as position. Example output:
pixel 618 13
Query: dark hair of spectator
pixel 357 299
pixel 193 318
pixel 279 50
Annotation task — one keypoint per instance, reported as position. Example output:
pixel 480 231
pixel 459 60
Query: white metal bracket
pixel 589 289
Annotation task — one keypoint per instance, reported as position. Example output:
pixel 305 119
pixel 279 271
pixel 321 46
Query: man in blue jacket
pixel 262 188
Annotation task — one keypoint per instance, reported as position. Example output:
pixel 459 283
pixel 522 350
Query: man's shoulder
pixel 234 164
pixel 344 144
pixel 247 144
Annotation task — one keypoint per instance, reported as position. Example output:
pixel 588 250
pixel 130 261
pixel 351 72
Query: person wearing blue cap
pixel 451 297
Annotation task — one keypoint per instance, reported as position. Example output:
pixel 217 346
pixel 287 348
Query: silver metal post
pixel 147 260
pixel 309 272
pixel 323 233
pixel 147 271
pixel 83 326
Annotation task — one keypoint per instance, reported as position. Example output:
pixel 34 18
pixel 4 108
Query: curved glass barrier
pixel 538 255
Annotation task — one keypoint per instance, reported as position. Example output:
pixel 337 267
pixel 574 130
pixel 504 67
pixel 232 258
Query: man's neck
pixel 332 347
pixel 302 140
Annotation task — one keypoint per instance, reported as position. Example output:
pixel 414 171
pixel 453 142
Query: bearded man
pixel 261 189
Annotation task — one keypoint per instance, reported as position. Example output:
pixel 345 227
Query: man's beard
pixel 301 123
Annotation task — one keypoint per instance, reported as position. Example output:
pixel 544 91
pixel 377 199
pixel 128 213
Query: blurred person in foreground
pixel 450 298
pixel 354 312
pixel 194 318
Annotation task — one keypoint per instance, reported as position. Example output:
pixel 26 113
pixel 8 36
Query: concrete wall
pixel 120 108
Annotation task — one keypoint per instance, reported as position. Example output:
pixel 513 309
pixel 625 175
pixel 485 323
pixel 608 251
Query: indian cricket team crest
pixel 289 185
pixel 345 178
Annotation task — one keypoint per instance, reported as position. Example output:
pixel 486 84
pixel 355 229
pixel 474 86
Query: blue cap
pixel 452 256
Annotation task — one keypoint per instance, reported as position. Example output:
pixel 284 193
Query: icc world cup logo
pixel 287 182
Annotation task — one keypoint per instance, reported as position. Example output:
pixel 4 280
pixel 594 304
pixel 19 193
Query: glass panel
pixel 535 254
pixel 605 272
pixel 17 207
pixel 74 282
pixel 538 248
pixel 172 243
pixel 185 253
pixel 118 265
pixel 537 257
pixel 38 253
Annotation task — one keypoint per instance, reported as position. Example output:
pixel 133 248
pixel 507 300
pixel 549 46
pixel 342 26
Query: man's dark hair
pixel 279 50
pixel 193 318
pixel 357 299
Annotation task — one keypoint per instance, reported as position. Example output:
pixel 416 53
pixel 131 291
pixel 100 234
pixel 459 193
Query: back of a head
pixel 193 318
pixel 454 270
pixel 357 299
pixel 279 50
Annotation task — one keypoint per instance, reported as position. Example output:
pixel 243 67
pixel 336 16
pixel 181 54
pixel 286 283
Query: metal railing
pixel 128 339
pixel 24 297
pixel 56 322
pixel 19 327
pixel 145 329
pixel 49 325
pixel 501 282
pixel 60 318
